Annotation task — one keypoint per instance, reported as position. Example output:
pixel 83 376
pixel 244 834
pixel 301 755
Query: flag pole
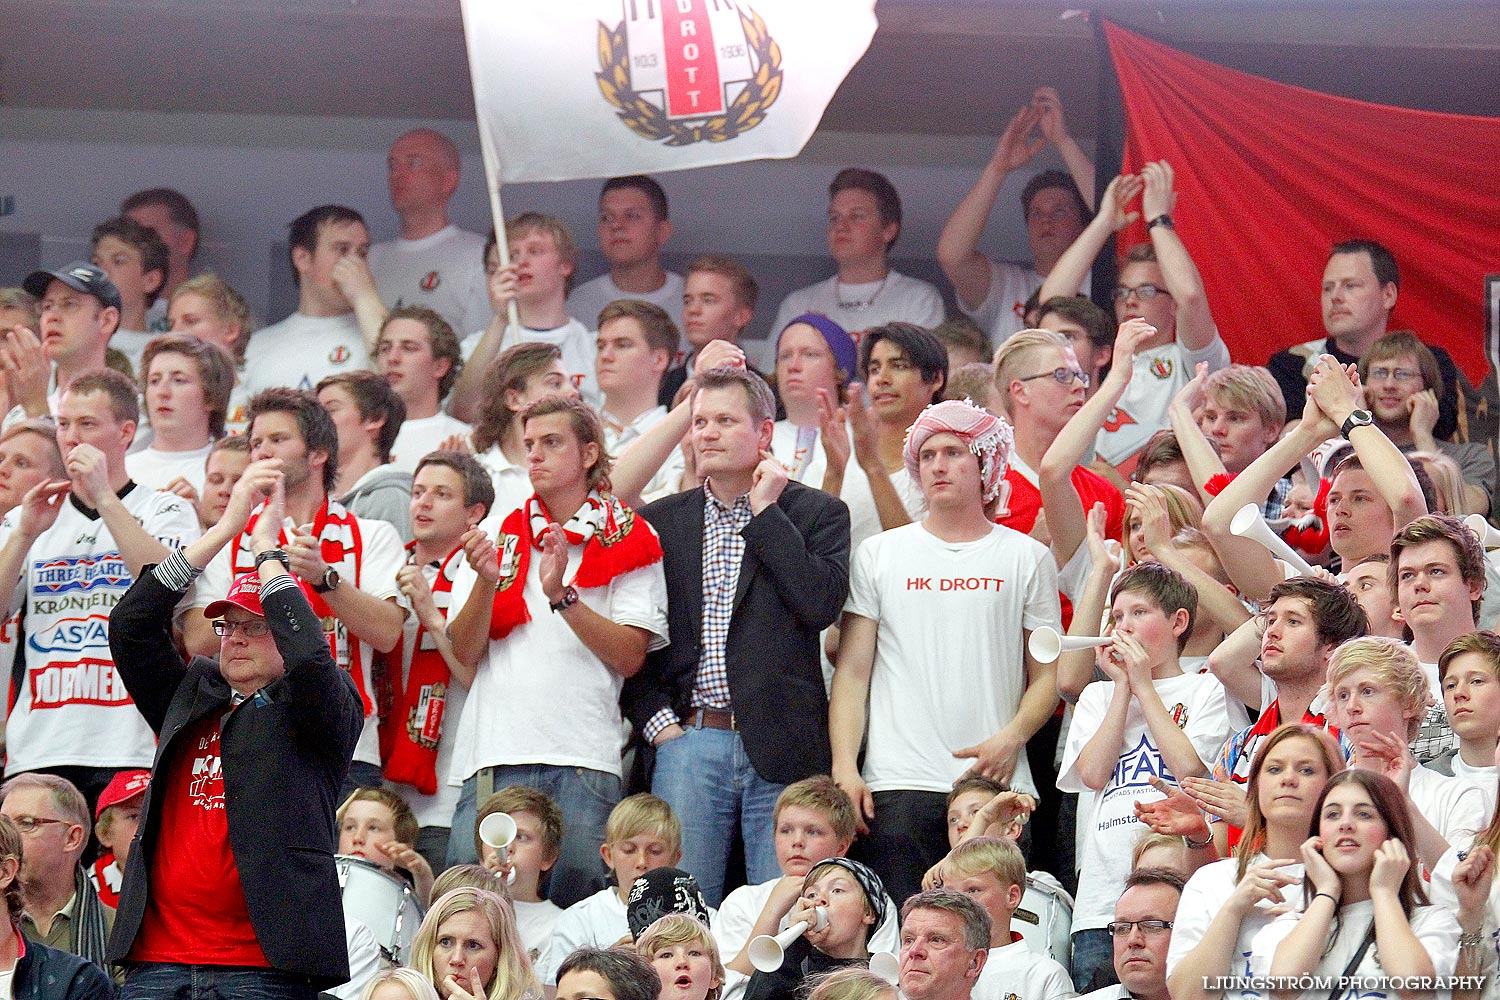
pixel 491 160
pixel 492 185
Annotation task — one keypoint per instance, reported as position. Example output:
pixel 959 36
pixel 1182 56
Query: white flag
pixel 600 88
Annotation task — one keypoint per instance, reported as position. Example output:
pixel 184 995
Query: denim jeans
pixel 1093 960
pixel 707 779
pixel 165 981
pixel 585 797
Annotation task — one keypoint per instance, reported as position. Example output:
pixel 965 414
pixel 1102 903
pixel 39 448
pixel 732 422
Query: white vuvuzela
pixel 1248 522
pixel 1047 644
pixel 767 952
pixel 498 831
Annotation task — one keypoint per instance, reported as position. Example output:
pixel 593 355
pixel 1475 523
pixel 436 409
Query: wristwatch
pixel 1356 418
pixel 329 582
pixel 569 598
pixel 1161 220
pixel 279 555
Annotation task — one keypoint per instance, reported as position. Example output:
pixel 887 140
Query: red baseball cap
pixel 122 788
pixel 243 593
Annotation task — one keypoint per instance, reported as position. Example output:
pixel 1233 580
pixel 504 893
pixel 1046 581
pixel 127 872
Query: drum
pixel 383 902
pixel 1045 918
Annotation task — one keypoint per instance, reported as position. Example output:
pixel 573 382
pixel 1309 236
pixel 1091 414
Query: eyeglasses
pixel 1398 374
pixel 31 824
pixel 1150 928
pixel 1143 292
pixel 253 628
pixel 1062 375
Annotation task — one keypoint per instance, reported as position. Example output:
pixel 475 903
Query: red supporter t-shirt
pixel 1026 500
pixel 195 911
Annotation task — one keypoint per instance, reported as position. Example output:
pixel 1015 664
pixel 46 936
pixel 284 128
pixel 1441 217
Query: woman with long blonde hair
pixel 469 949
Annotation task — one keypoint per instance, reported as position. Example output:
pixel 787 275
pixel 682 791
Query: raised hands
pixel 26 369
pixel 1150 503
pixel 480 551
pixel 1319 872
pixel 1104 552
pixel 862 426
pixel 501 286
pixel 553 563
pixel 352 275
pixel 1384 754
pixel 1262 883
pixel 1117 198
pixel 1472 879
pixel 419 593
pixel 1336 390
pixel 1049 111
pixel 89 470
pixel 40 506
pixel 1005 815
pixel 1016 146
pixel 258 481
pixel 718 354
pixel 1391 865
pixel 1177 815
pixel 833 431
pixel 1157 196
pixel 267 532
pixel 1224 799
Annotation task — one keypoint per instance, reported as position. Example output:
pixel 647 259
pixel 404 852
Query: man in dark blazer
pixel 231 881
pixel 756 568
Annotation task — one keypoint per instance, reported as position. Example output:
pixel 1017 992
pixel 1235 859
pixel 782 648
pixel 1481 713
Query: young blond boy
pixel 538 843
pixel 992 871
pixel 814 820
pixel 642 834
pixel 1148 720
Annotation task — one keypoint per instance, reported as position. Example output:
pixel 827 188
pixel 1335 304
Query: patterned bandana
pixel 989 437
pixel 662 891
pixel 863 874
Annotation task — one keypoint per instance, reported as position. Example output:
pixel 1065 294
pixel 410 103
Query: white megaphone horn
pixel 1047 644
pixel 498 831
pixel 1248 522
pixel 1489 535
pixel 886 966
pixel 767 952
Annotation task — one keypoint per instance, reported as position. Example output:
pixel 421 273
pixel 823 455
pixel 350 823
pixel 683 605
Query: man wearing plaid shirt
pixel 756 567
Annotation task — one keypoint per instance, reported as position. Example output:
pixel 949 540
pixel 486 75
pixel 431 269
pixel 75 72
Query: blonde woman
pixel 469 949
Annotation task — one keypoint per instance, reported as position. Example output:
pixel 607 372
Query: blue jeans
pixel 1093 960
pixel 585 797
pixel 707 779
pixel 163 981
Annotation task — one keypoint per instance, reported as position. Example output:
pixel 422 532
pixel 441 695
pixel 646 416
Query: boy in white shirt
pixel 633 228
pixel 636 344
pixel 814 821
pixel 419 356
pixel 642 834
pixel 136 260
pixel 1469 671
pixel 1148 720
pixel 538 843
pixel 993 872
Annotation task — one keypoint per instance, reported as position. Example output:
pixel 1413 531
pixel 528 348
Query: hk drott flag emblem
pixel 686 71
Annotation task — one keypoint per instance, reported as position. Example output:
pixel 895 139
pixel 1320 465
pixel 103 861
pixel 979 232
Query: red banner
pixel 1269 176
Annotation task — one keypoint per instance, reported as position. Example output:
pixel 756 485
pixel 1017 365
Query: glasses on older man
pixel 253 628
pixel 31 824
pixel 1150 928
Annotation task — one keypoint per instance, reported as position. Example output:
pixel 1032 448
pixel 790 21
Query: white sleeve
pixel 1209 726
pixel 639 598
pixel 364 959
pixel 1438 931
pixel 1056 984
pixel 864 589
pixel 570 933
pixel 1263 945
pixel 1215 353
pixel 931 306
pixel 382 559
pixel 1042 605
pixel 734 922
pixel 172 521
pixel 1201 899
pixel 215 581
pixel 785 313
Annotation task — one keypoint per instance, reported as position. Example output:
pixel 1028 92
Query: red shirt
pixel 195 911
pixel 1026 500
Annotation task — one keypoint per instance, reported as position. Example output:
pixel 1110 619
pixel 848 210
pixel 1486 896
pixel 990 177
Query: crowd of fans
pixel 469 633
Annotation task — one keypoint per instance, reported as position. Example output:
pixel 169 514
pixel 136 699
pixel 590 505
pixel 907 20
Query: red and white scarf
pixel 341 544
pixel 411 732
pixel 614 542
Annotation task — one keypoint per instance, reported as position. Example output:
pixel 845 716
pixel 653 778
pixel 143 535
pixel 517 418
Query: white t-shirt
pixel 1441 892
pixel 800 449
pixel 435 809
pixel 364 958
pixel 864 520
pixel 1435 927
pixel 444 272
pixel 598 921
pixel 573 338
pixel 1003 311
pixel 372 571
pixel 155 469
pixel 589 299
pixel 1202 899
pixel 1142 411
pixel 535 922
pixel 668 478
pixel 1203 713
pixel 301 351
pixel 736 918
pixel 1457 809
pixel 512 486
pixel 1015 972
pixel 132 344
pixel 418 438
pixel 237 417
pixel 902 298
pixel 541 696
pixel 937 688
pixel 72 709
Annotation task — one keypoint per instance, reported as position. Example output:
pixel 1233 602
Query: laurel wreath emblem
pixel 651 122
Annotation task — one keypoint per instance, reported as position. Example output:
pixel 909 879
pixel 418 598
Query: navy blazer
pixel 792 585
pixel 285 754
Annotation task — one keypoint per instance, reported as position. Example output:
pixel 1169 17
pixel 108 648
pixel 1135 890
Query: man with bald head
pixel 432 263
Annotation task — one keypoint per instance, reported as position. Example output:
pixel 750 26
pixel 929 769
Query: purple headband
pixel 845 355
